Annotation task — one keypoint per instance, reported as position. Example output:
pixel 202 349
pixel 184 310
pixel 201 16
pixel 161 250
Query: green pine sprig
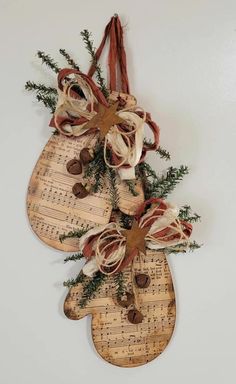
pixel 163 153
pixel 41 88
pixel 166 184
pixel 47 60
pixel 193 245
pixel 91 288
pixel 147 171
pixel 131 185
pixel 186 214
pixel 114 195
pixel 75 257
pixel 182 248
pixel 46 95
pixel 72 282
pixel 161 186
pixel 48 101
pixel 86 35
pixel 73 234
pixel 69 59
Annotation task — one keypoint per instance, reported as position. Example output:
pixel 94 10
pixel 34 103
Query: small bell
pixel 79 190
pixel 74 167
pixel 142 280
pixel 86 155
pixel 135 317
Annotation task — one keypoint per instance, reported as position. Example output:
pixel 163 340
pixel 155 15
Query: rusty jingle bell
pixel 74 167
pixel 79 191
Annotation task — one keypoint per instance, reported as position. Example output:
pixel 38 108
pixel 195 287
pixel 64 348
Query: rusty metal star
pixel 105 119
pixel 135 238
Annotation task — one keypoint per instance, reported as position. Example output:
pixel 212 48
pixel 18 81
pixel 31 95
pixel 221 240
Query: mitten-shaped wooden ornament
pixel 134 329
pixel 133 313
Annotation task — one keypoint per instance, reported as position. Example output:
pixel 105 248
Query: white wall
pixel 182 65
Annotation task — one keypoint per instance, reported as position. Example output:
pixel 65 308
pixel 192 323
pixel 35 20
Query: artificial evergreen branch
pixel 164 154
pixel 73 234
pixel 96 171
pixel 40 88
pixel 148 171
pixel 114 195
pixel 68 58
pixel 161 186
pixel 182 248
pixel 46 95
pixel 75 257
pixel 48 101
pixel 47 60
pixel 131 185
pixel 119 283
pixel 91 288
pixel 193 245
pixel 86 35
pixel 186 214
pixel 72 282
pixel 140 173
pixel 167 183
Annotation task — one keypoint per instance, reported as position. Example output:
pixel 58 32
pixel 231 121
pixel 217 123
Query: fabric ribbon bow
pixel 110 248
pixel 82 109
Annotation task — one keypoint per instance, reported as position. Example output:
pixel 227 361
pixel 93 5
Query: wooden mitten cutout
pixel 116 339
pixel 52 203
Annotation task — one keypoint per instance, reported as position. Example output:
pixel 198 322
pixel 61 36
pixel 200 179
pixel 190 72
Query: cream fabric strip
pixel 130 154
pixel 108 235
pixel 74 107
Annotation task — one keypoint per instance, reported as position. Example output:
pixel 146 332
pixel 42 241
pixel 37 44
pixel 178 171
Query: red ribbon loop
pixel 117 55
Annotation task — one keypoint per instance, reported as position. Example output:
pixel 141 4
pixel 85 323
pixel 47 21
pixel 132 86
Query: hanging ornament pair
pixel 134 325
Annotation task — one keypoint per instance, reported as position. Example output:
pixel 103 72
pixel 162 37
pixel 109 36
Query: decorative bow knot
pixel 86 110
pixel 111 248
